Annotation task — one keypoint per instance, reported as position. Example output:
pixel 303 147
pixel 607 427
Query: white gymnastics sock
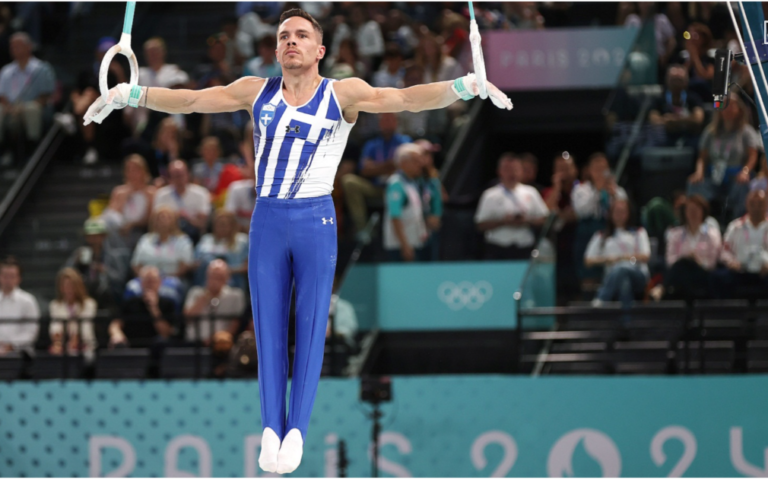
pixel 291 451
pixel 270 447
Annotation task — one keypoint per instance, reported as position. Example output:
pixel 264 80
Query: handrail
pixel 31 172
pixel 453 153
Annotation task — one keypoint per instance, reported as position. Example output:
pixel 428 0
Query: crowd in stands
pixel 171 246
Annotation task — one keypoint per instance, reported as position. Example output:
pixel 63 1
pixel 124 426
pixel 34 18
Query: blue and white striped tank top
pixel 298 149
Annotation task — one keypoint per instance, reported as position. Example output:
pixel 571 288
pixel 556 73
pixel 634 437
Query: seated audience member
pixel 16 304
pixel 530 170
pixel 216 306
pixel 376 164
pixel 207 170
pixel 692 252
pixel 241 194
pixel 701 66
pixel 591 200
pixel 130 203
pixel 745 252
pixel 192 202
pixel 225 243
pixel 347 63
pixel 265 65
pixel 432 195
pixel 728 154
pixel 509 212
pixel 438 65
pixel 164 148
pixel 103 263
pixel 165 246
pixel 680 111
pixel 623 252
pixel 148 320
pixel 391 73
pixel 74 310
pixel 404 228
pixel 558 201
pixel 25 87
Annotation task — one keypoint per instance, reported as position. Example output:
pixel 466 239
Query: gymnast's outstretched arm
pixel 238 95
pixel 356 95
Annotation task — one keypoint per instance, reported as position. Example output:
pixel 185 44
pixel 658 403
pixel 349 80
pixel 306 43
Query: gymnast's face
pixel 298 44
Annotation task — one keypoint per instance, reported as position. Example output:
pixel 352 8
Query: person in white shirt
pixel 165 246
pixel 624 252
pixel 192 202
pixel 745 250
pixel 241 194
pixel 216 305
pixel 74 307
pixel 591 200
pixel 508 213
pixel 16 304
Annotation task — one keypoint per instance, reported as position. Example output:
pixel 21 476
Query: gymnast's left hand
pixel 466 88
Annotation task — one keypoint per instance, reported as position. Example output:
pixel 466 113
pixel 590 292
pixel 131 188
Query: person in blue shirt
pixel 376 164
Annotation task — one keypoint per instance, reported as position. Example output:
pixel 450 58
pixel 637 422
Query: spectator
pixel 226 243
pixel 624 254
pixel 347 63
pixel 77 310
pixel 16 305
pixel 558 201
pixel 207 170
pixel 148 320
pixel 591 200
pixel 233 55
pixel 157 73
pixel 729 150
pixel 701 67
pixel 509 212
pixel 366 33
pixel 192 202
pixel 164 148
pixel 215 70
pixel 432 197
pixel 692 252
pixel 530 170
pixel 662 28
pixel 391 74
pixel 438 67
pixel 265 65
pixel 216 306
pixel 396 28
pixel 454 29
pixel 112 130
pixel 680 111
pixel 102 263
pixel 165 246
pixel 25 87
pixel 376 164
pixel 404 228
pixel 241 194
pixel 745 251
pixel 130 203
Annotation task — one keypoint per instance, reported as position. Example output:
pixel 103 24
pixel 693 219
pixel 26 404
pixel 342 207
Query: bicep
pixel 356 95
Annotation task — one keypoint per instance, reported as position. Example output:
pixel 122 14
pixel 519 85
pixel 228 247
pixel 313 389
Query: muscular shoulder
pixel 351 90
pixel 246 89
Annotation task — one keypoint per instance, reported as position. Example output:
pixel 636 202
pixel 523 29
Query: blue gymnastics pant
pixel 292 243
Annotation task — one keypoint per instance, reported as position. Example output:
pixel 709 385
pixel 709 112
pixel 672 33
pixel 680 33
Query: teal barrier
pixel 438 296
pixel 468 426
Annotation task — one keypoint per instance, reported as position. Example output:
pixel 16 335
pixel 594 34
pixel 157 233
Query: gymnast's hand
pixel 118 98
pixel 466 88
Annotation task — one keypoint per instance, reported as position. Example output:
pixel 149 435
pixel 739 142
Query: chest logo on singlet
pixel 288 129
pixel 267 114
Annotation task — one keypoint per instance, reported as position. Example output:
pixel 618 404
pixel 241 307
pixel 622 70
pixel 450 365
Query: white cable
pixel 746 55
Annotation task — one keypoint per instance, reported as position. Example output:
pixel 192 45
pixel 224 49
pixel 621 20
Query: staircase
pixel 49 226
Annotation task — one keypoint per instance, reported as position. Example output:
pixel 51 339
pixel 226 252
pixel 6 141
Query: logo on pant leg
pixel 327 220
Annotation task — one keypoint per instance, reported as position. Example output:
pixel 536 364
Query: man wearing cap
pixel 25 86
pixel 102 262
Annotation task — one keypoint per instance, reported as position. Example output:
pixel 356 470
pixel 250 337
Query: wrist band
pixel 133 99
pixel 460 91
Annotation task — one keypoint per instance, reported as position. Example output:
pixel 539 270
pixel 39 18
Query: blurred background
pixel 583 264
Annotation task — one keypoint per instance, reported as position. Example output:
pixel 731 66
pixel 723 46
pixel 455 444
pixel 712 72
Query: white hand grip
pixel 477 59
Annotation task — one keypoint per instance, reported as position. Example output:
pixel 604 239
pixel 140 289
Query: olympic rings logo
pixel 465 295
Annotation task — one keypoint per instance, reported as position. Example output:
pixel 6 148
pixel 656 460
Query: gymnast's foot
pixel 291 451
pixel 270 447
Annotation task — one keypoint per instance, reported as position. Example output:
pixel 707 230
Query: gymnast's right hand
pixel 118 97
